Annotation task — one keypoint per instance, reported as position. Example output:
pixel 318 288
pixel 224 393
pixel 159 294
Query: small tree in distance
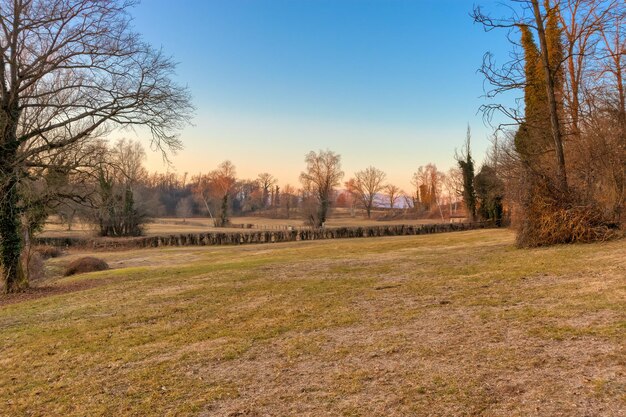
pixel 392 193
pixel 224 179
pixel 365 187
pixel 323 173
pixel 466 163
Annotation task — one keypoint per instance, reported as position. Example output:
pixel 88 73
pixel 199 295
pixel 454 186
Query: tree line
pixel 116 194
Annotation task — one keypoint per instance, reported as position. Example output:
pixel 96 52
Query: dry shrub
pixel 35 266
pixel 550 225
pixel 84 265
pixel 47 252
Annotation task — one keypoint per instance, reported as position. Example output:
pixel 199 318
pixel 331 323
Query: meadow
pixel 455 324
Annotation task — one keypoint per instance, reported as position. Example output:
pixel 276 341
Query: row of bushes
pixel 239 238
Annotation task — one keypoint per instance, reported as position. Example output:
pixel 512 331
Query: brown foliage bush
pixel 84 265
pixel 47 252
pixel 549 224
pixel 36 267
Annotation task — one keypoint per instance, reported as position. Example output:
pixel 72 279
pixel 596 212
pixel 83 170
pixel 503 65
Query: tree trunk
pixel 11 242
pixel 15 278
pixel 554 116
pixel 323 212
pixel 224 214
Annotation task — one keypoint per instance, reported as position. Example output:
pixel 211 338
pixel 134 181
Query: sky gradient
pixel 388 83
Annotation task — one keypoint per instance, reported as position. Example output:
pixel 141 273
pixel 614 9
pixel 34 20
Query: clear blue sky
pixel 389 83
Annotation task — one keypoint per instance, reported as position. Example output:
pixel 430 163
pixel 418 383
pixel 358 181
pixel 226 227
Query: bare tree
pixel 613 34
pixel 72 70
pixel 224 179
pixel 427 181
pixel 129 156
pixel 184 208
pixel 453 185
pixel 115 176
pixel 203 190
pixel 365 187
pixel 392 192
pixel 323 173
pixel 266 183
pixel 289 199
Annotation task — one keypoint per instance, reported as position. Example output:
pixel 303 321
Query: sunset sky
pixel 389 83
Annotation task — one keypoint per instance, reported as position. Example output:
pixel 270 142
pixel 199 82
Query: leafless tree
pixel 266 183
pixel 129 156
pixel 72 70
pixel 453 185
pixel 392 193
pixel 366 186
pixel 323 173
pixel 203 190
pixel 224 179
pixel 289 199
pixel 184 208
pixel 115 177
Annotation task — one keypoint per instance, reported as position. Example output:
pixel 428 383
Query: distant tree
pixel 466 164
pixel 166 190
pixel 490 193
pixel 453 185
pixel 67 214
pixel 289 199
pixel 323 173
pixel 247 196
pixel 392 193
pixel 409 201
pixel 184 208
pixel 415 195
pixel 224 178
pixel 428 181
pixel 365 187
pixel 276 196
pixel 266 183
pixel 204 191
pixel 129 156
pixel 116 175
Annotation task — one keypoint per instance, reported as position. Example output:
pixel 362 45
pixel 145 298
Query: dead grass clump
pixel 47 252
pixel 84 265
pixel 551 225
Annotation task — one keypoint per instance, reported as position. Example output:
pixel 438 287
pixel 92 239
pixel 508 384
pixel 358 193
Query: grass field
pixel 457 324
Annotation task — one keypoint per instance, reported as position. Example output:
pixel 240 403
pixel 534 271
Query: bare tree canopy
pixel 71 71
pixel 266 182
pixel 365 187
pixel 323 173
pixel 392 193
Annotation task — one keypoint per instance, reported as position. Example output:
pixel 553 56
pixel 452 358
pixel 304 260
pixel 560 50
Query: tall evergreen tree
pixel 466 163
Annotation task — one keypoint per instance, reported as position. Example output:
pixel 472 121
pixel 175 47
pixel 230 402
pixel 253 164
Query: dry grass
pixel 457 324
pixel 84 265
